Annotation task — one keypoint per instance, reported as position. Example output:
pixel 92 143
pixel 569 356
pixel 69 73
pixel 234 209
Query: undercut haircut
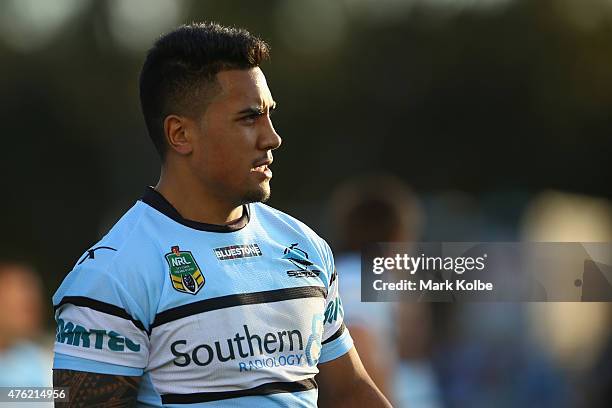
pixel 179 72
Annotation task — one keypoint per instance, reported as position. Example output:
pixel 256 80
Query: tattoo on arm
pixel 96 390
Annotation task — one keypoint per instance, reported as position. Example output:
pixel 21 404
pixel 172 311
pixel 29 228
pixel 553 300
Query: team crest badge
pixel 299 258
pixel 185 274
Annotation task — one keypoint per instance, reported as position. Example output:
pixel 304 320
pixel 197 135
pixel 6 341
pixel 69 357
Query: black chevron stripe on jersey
pixel 239 299
pixel 264 389
pixel 334 336
pixel 100 307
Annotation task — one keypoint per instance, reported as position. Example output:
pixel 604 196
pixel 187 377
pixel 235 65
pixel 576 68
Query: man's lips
pixel 261 166
pixel 262 162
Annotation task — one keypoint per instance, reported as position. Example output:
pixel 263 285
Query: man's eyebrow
pixel 256 110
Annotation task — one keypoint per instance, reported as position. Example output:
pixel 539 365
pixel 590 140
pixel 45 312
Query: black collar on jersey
pixel 154 199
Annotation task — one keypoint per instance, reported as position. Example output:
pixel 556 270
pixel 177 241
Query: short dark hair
pixel 181 67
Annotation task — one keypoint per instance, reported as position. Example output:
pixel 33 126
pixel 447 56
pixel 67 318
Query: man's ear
pixel 176 130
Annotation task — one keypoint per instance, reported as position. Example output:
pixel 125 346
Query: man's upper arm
pixel 102 341
pixel 87 389
pixel 350 385
pixel 336 339
pixel 340 367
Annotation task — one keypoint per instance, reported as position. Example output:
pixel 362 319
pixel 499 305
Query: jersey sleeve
pixel 101 327
pixel 336 339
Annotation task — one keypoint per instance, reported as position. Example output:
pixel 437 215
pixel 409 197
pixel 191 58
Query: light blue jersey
pixel 208 315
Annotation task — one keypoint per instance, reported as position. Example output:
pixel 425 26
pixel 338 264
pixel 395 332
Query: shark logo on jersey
pixel 299 258
pixel 185 274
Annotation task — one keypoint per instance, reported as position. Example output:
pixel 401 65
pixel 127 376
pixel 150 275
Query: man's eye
pixel 250 118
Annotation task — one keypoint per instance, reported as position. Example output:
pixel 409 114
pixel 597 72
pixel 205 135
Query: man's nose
pixel 269 140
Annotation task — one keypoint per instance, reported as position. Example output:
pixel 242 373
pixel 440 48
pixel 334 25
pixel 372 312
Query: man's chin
pixel 259 195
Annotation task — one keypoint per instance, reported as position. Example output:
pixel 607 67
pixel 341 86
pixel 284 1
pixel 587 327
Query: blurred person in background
pixel 23 361
pixel 577 334
pixel 484 357
pixel 485 354
pixel 392 337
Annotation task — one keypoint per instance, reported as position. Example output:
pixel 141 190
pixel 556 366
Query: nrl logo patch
pixel 185 274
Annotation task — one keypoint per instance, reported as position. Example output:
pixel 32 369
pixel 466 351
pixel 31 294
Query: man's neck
pixel 194 202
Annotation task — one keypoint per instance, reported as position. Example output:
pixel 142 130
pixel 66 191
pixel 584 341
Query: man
pixel 201 294
pixel 24 362
pixel 367 209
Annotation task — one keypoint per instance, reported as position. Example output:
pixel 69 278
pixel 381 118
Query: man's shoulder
pixel 269 215
pixel 124 238
pixel 119 270
pixel 121 255
pixel 293 230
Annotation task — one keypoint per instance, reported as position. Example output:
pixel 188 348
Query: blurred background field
pixel 492 116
